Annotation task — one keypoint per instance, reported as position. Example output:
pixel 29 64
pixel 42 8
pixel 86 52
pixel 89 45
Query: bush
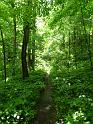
pixel 18 99
pixel 73 96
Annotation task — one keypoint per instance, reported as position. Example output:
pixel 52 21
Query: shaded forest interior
pixel 46 62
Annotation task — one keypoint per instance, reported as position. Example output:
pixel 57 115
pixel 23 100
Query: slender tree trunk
pixel 29 59
pixel 24 48
pixel 4 55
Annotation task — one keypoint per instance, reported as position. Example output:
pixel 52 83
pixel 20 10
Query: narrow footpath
pixel 46 109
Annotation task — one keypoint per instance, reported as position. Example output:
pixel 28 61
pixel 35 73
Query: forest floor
pixel 46 109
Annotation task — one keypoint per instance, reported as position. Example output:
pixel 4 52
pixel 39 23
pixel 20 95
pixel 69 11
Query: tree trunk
pixel 24 47
pixel 4 56
pixel 29 59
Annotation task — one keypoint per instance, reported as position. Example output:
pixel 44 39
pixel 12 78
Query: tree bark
pixel 4 55
pixel 29 59
pixel 24 48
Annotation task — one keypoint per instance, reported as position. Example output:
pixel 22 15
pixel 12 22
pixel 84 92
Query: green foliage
pixel 18 99
pixel 64 48
pixel 73 96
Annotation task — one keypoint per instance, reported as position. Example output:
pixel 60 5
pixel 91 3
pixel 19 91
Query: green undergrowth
pixel 18 99
pixel 73 96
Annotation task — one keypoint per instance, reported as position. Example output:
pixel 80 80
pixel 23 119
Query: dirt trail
pixel 46 113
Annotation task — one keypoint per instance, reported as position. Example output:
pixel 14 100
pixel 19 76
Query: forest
pixel 46 61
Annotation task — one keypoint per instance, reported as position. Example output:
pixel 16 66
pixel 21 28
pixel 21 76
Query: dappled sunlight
pixel 45 66
pixel 77 117
pixel 7 79
pixel 46 61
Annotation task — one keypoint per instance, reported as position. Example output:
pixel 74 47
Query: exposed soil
pixel 46 109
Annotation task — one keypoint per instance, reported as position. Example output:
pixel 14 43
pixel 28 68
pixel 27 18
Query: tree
pixel 24 47
pixel 4 54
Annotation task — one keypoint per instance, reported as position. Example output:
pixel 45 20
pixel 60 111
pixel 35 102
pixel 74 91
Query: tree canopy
pixel 46 41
